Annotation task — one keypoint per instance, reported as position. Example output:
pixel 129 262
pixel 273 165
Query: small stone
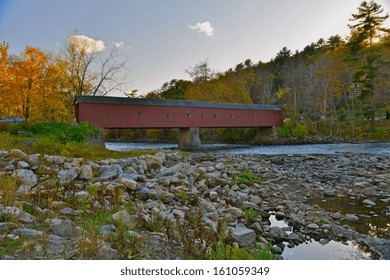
pixel 280 215
pixel 219 166
pixel 23 165
pixel 66 211
pixel 107 229
pixel 351 217
pixel 256 200
pixel 369 202
pixel 27 232
pixel 213 196
pixel 313 226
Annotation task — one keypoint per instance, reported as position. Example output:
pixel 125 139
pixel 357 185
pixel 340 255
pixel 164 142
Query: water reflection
pixel 331 250
pixel 373 220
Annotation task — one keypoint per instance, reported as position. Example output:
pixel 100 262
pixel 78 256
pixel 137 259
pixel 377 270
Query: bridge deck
pixel 117 112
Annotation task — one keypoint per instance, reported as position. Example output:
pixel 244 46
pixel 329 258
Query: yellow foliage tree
pixel 32 87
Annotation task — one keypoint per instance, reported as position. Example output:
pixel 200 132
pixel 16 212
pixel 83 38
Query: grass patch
pixel 246 177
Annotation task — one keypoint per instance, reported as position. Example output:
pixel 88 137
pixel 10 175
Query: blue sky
pixel 163 38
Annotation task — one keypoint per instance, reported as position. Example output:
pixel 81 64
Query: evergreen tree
pixel 368 28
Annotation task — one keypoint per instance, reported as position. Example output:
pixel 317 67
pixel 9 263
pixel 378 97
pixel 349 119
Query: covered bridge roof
pixel 173 103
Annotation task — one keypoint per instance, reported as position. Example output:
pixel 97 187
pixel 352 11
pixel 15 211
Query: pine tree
pixel 364 33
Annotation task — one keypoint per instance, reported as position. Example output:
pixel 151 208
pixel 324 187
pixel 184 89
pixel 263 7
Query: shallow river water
pixel 356 148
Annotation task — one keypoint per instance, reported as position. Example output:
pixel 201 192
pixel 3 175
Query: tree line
pixel 330 81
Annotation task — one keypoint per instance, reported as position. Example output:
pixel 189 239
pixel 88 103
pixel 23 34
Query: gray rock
pixel 107 229
pixel 64 228
pixel 369 202
pixel 370 191
pixel 152 162
pixel 293 237
pixel 23 190
pixel 243 235
pixel 27 177
pixel 58 160
pixel 66 176
pixel 161 156
pixel 129 173
pixel 256 200
pixel 166 197
pixel 130 184
pixel 107 172
pixel 277 234
pixel 219 166
pixel 23 165
pixel 27 232
pixel 17 155
pixel 7 226
pixel 124 217
pixel 280 215
pixel 26 218
pixel 206 205
pixel 34 160
pixel 351 217
pixel 67 211
pixel 313 226
pixel 107 253
pixel 86 172
pixel 144 193
pixel 213 196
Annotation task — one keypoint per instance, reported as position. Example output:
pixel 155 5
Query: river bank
pixel 184 206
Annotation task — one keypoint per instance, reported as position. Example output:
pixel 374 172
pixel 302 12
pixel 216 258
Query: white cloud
pixel 86 44
pixel 119 44
pixel 203 27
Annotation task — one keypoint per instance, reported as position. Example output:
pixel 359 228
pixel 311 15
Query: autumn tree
pixel 231 87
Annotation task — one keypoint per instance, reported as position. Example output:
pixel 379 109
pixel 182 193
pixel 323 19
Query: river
pixel 355 148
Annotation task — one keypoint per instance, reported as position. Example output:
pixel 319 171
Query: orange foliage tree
pixel 31 86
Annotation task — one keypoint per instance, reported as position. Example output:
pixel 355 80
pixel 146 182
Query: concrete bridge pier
pixel 189 138
pixel 266 135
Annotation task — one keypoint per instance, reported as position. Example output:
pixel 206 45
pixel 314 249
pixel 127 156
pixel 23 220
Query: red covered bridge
pixel 188 116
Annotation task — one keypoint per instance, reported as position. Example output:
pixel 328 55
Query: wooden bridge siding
pixel 138 116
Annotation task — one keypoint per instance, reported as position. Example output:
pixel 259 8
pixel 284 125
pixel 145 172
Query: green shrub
pixel 78 132
pixel 285 129
pixel 300 131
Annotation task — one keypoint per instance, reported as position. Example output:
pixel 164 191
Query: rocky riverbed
pixel 183 206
